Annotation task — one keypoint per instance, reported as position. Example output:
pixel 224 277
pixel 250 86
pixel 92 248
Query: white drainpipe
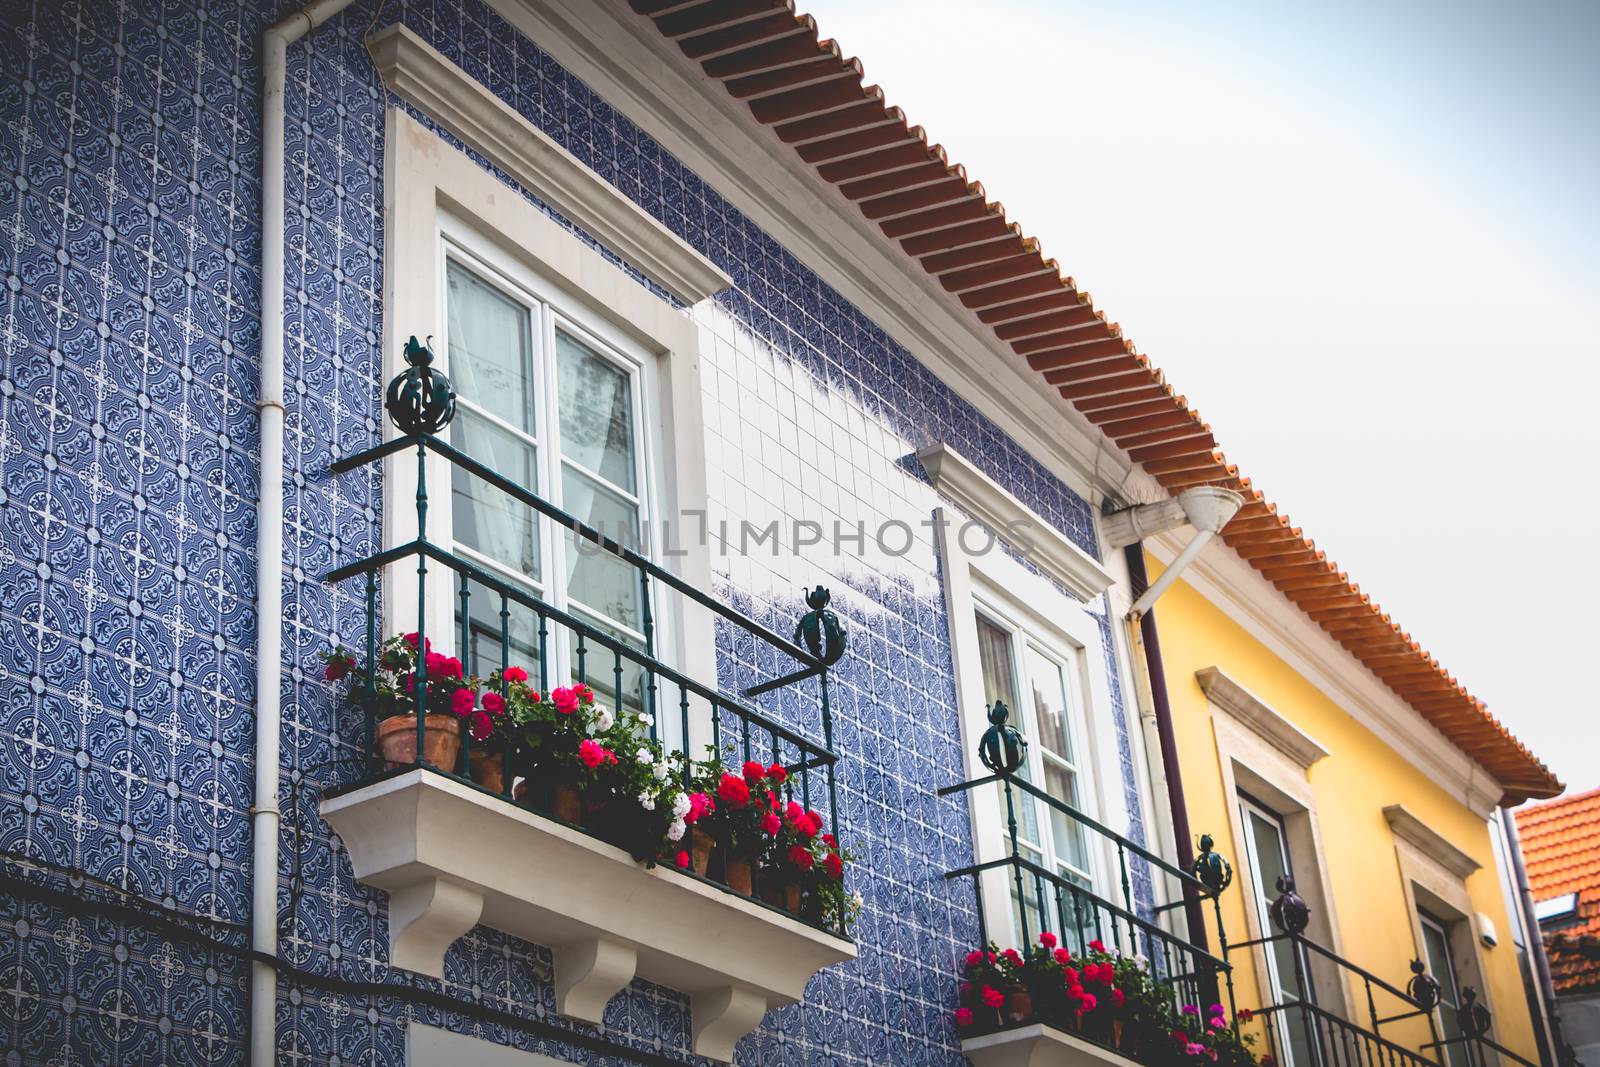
pixel 265 816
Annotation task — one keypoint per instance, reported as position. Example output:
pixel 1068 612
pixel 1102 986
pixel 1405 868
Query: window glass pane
pixel 595 577
pixel 596 402
pixel 484 517
pixel 1000 683
pixel 1441 965
pixel 1066 832
pixel 483 648
pixel 609 673
pixel 1270 859
pixel 1050 706
pixel 491 357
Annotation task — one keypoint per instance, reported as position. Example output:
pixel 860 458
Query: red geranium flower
pixel 1047 939
pixel 1097 946
pixel 482 725
pixel 493 703
pixel 565 700
pixel 771 824
pixel 1062 956
pixel 411 639
pixel 828 839
pixel 683 859
pixel 461 702
pixel 753 771
pixel 801 857
pixel 974 958
pixel 963 1016
pixel 583 693
pixel 516 674
pixel 699 804
pixel 338 667
pixel 1117 998
pixel 733 791
pixel 833 865
pixel 777 774
pixel 592 753
pixel 1012 955
pixel 993 997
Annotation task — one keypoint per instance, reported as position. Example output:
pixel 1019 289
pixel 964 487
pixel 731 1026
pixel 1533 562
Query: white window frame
pixel 1261 897
pixel 550 309
pixel 986 576
pixel 435 194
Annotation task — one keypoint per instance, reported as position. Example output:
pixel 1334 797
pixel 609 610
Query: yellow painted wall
pixel 1352 785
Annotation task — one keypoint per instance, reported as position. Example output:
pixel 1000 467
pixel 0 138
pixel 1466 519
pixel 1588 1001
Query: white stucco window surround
pixel 1041 627
pixel 451 857
pixel 439 203
pixel 1038 1046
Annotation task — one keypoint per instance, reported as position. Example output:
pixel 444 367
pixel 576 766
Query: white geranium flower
pixel 647 801
pixel 661 770
pixel 680 805
pixel 603 719
pixel 676 831
pixel 644 755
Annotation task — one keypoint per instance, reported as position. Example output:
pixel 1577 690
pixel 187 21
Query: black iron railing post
pixel 420 674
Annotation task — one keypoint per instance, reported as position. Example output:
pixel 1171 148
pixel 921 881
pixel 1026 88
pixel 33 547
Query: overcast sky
pixel 1364 240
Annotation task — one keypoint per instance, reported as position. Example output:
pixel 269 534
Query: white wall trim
pixel 1259 716
pixel 982 498
pixel 1430 842
pixel 416 72
pixel 1244 596
pixel 645 77
pixel 429 1046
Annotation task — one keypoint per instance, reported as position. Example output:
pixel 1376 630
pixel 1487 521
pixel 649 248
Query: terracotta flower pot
pixel 1126 1037
pixel 1018 1007
pixel 566 804
pixel 781 895
pixel 396 739
pixel 739 875
pixel 700 847
pixel 488 767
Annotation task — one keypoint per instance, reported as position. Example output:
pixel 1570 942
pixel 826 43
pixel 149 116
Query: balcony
pixel 1019 1008
pixel 461 826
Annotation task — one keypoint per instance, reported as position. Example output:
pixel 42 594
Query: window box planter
pixel 1038 1045
pixel 451 857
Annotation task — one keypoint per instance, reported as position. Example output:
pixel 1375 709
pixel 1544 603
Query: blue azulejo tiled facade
pixel 130 325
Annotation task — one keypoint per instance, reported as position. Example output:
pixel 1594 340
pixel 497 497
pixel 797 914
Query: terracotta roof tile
pixel 1561 849
pixel 814 99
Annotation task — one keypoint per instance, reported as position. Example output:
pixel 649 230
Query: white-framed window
pixel 1441 961
pixel 550 397
pixel 574 381
pixel 1037 676
pixel 1266 843
pixel 1018 638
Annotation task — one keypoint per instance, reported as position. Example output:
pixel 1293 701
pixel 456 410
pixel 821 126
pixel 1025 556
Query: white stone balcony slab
pixel 1037 1045
pixel 452 857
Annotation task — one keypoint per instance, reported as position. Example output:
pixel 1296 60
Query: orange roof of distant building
pixel 1561 848
pixel 812 97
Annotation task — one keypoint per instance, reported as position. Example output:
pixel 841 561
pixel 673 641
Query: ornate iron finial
pixel 1474 1016
pixel 1002 748
pixel 820 629
pixel 1423 988
pixel 1289 912
pixel 1214 872
pixel 420 399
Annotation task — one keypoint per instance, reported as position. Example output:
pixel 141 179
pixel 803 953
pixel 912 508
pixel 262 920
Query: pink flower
pixel 515 674
pixel 461 702
pixel 565 700
pixel 1194 1049
pixel 482 725
pixel 591 752
pixel 682 860
pixel 699 804
pixel 583 693
pixel 1047 939
pixel 493 703
pixel 963 1016
pixel 771 824
pixel 993 997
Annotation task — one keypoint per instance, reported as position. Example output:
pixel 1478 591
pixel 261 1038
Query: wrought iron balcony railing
pixel 628 669
pixel 1302 1033
pixel 1043 900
